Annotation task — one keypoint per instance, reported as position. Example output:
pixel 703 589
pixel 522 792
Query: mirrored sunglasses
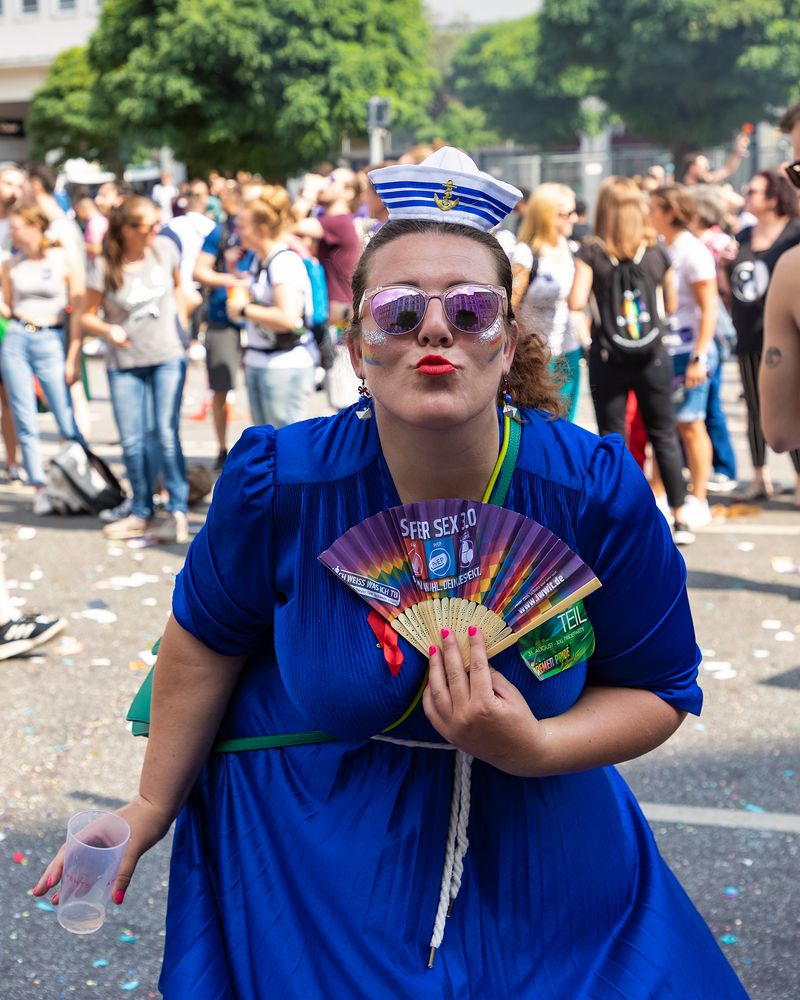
pixel 399 309
pixel 793 173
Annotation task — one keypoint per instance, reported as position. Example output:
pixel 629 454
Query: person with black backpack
pixel 624 276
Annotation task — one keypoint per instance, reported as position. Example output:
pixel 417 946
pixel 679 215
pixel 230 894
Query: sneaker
pixel 21 634
pixel 129 527
pixel 15 474
pixel 720 483
pixel 223 454
pixel 664 507
pixel 42 504
pixel 174 530
pixel 696 513
pixel 116 513
pixel 681 534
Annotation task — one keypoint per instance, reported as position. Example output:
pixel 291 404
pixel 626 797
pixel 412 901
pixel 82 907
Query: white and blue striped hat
pixel 445 187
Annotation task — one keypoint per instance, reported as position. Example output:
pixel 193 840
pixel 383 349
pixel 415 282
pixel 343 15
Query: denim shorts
pixel 690 405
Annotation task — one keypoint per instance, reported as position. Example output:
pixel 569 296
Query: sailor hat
pixel 445 187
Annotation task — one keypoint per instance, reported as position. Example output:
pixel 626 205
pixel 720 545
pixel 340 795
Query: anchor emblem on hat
pixel 447 202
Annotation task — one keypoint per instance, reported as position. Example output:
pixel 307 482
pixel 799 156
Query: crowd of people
pixel 263 282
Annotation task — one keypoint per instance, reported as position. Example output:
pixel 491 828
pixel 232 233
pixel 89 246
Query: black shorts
pixel 223 357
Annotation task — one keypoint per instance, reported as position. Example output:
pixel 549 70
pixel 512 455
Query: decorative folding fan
pixel 455 563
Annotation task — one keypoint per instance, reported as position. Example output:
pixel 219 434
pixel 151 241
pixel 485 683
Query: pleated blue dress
pixel 314 871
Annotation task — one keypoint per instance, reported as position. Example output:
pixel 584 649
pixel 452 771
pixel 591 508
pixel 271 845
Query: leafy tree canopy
pixel 680 72
pixel 498 69
pixel 258 84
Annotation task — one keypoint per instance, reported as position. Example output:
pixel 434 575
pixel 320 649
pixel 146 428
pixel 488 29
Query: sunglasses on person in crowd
pixel 145 227
pixel 399 309
pixel 793 173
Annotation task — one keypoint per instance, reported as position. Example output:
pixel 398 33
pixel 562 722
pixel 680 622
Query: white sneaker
pixel 682 535
pixel 718 482
pixel 696 513
pixel 42 504
pixel 664 507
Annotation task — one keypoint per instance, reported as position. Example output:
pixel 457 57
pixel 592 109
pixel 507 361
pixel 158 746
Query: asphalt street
pixel 723 796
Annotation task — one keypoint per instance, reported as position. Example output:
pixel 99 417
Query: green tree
pixel 61 116
pixel 259 84
pixel 684 73
pixel 498 69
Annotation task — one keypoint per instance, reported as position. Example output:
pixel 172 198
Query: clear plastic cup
pixel 95 846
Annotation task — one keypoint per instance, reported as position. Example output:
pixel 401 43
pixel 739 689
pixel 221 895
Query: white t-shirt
pixel 284 269
pixel 191 229
pixel 691 262
pixel 544 305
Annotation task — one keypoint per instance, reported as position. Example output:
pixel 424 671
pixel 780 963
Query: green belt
pixel 139 712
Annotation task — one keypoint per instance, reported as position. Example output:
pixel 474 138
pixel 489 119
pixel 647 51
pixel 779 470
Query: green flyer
pixel 559 644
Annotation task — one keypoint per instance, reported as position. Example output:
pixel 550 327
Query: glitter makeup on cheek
pixel 490 335
pixel 370 339
pixel 375 338
pixel 496 353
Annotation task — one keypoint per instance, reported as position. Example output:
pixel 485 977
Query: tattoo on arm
pixel 773 357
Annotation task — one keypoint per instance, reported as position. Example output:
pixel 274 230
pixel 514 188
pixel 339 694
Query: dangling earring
pixel 509 410
pixel 364 407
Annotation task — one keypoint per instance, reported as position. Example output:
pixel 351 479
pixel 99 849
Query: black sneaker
pixel 223 454
pixel 22 634
pixel 681 534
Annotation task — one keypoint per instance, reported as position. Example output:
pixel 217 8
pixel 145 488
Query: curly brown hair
pixel 530 381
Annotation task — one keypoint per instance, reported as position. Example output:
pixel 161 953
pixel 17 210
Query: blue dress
pixel 313 872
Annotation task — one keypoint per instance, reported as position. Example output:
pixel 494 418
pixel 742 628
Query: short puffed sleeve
pixel 224 595
pixel 642 622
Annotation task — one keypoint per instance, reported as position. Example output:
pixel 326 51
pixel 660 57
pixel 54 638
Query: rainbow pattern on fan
pixel 455 563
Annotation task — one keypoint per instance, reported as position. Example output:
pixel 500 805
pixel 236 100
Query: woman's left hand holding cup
pixel 479 711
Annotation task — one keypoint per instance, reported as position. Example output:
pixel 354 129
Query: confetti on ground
pixel 129 986
pixel 761 654
pixel 729 939
pixel 69 646
pixel 26 534
pixel 772 624
pixel 18 858
pixel 149 602
pixel 126 582
pixel 785 564
pixel 724 675
pixel 137 665
pixel 100 615
pixel 716 665
pixel 35 575
pixel 708 653
pixel 751 807
pixel 47 907
pixel 784 636
pixel 745 546
pixel 128 937
pixel 100 661
pixel 100 963
pixel 730 891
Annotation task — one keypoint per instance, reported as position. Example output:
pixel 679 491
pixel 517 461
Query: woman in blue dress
pixel 327 869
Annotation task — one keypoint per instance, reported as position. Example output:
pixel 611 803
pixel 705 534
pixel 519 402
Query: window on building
pixel 67 4
pixel 30 6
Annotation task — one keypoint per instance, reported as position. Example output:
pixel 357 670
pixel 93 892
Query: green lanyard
pixel 496 493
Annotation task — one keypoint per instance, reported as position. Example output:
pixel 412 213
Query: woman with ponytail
pixel 136 284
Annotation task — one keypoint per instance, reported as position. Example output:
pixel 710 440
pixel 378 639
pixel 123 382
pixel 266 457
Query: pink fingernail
pixel 431 650
pixel 119 895
pixel 49 881
pixel 472 630
pixel 445 632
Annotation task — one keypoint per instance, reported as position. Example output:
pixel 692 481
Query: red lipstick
pixel 435 364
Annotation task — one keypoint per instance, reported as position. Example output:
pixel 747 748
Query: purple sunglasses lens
pixel 398 310
pixel 469 308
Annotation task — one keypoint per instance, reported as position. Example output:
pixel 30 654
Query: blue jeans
pixel 691 405
pixel 278 396
pixel 136 392
pixel 41 354
pixel 717 426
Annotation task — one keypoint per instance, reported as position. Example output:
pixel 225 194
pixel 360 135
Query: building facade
pixel 32 33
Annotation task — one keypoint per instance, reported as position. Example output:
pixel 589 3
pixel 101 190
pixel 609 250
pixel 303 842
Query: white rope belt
pixel 457 840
